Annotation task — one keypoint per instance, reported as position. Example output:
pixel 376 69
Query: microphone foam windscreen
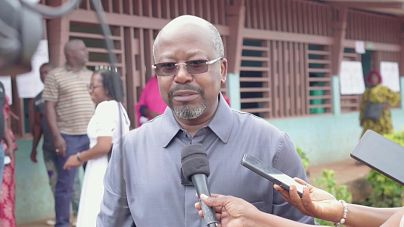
pixel 194 160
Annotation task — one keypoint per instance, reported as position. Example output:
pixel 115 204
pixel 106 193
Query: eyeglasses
pixel 192 67
pixel 91 87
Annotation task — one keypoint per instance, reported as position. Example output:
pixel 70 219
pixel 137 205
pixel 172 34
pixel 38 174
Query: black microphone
pixel 195 167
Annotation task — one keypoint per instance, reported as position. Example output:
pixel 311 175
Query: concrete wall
pixel 328 138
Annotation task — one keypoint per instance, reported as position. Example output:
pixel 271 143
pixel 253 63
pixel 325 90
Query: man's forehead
pixel 186 53
pixel 184 20
pixel 75 44
pixel 185 30
pixel 187 42
pixel 186 24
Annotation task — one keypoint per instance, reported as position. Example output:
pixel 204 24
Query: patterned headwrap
pixel 373 73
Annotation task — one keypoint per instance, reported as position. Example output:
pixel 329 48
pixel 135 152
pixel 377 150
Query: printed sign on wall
pixel 390 75
pixel 351 78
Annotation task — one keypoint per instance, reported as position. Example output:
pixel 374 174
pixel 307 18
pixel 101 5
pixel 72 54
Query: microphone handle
pixel 200 183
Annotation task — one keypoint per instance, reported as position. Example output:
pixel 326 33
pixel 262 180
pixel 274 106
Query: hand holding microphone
pixel 231 211
pixel 195 167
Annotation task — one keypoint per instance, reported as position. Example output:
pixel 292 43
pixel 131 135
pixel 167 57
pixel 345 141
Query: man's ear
pixel 223 70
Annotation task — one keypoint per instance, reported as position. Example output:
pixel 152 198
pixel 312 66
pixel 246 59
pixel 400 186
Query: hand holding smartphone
pixel 272 174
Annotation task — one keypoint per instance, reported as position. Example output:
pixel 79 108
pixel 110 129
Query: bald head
pixel 73 44
pixel 76 53
pixel 195 23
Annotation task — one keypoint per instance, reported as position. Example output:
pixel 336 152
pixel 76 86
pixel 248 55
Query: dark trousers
pixel 64 185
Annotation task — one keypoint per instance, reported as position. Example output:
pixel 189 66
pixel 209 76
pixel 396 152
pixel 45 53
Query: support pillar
pixel 337 52
pixel 236 18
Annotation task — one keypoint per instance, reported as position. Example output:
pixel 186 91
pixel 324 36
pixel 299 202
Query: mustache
pixel 184 87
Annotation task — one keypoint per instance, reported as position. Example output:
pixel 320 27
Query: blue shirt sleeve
pixel 114 210
pixel 287 160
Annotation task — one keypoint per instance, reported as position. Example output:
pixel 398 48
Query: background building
pixel 284 61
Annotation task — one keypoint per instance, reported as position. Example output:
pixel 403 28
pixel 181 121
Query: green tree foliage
pixel 303 157
pixel 385 191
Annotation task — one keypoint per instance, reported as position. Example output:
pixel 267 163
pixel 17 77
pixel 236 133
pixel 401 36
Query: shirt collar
pixel 221 124
pixel 169 127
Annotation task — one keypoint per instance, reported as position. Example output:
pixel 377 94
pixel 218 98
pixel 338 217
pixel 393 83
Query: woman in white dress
pixel 103 131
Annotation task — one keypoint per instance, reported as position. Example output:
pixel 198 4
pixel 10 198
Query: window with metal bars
pixel 319 79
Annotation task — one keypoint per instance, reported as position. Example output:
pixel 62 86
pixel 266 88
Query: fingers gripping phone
pixel 272 174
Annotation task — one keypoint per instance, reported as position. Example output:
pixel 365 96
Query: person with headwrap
pixel 375 105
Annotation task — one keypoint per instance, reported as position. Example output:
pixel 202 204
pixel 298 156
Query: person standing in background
pixel 150 104
pixel 109 122
pixel 3 129
pixel 7 196
pixel 40 127
pixel 68 110
pixel 375 105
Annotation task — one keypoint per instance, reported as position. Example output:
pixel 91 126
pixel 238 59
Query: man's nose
pixel 182 76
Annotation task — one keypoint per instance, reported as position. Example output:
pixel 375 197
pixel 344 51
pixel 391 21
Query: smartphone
pixel 381 154
pixel 272 174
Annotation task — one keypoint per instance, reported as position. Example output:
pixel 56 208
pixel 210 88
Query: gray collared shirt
pixel 143 181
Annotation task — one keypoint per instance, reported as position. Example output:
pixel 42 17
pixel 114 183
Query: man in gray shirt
pixel 143 183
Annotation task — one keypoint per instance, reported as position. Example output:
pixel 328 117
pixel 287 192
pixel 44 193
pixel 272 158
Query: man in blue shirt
pixel 144 185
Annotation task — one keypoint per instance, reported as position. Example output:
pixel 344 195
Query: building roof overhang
pixel 390 7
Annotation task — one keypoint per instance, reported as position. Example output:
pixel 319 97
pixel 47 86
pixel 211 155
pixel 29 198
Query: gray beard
pixel 189 112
